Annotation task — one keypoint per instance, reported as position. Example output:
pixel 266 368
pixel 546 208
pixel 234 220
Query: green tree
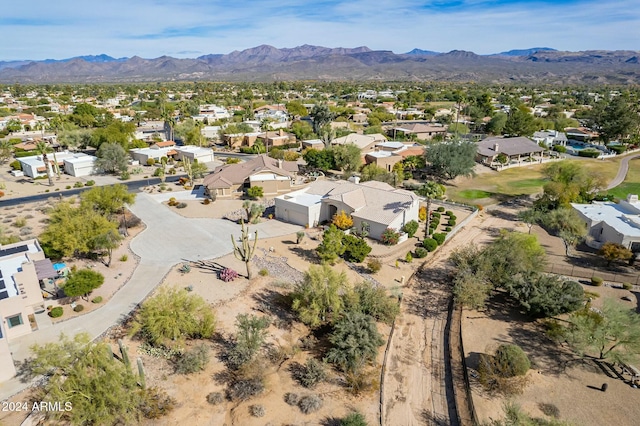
pixel 331 247
pixel 612 334
pixel 452 159
pixel 566 224
pixel 115 133
pixel 302 130
pixel 519 122
pixel 619 120
pixel 319 159
pixel 355 249
pixel 530 217
pixel 171 315
pixel 347 157
pixel 109 199
pixel 6 150
pixel 318 298
pixel 111 158
pixel 296 109
pixel 548 295
pixel 374 301
pixel 495 126
pixel 100 389
pixel 249 339
pixel 321 116
pixel 355 342
pixel 569 182
pixel 83 282
pixel 199 170
pixel 255 192
pixel 614 251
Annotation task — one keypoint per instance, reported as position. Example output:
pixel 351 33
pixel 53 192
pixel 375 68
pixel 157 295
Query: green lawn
pixel 474 194
pixel 631 184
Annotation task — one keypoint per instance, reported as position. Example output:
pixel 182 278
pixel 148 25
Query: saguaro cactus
pixel 143 380
pixel 245 251
pixel 125 353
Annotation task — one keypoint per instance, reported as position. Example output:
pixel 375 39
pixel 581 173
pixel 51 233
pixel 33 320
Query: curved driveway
pixel 168 239
pixel 622 171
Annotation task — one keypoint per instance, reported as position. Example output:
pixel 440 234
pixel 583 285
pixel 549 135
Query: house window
pixel 14 321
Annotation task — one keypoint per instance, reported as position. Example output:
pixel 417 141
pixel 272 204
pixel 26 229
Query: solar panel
pixel 13 250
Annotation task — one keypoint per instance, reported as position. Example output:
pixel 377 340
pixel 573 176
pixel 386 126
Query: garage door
pixel 295 217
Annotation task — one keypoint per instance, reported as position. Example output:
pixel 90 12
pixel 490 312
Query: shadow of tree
pixel 209 266
pixel 433 419
pixel 307 254
pixel 431 293
pixel 271 302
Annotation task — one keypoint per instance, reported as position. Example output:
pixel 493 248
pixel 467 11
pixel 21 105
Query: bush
pixel 20 222
pixel 90 183
pixel 435 215
pixel 228 274
pixel 313 373
pixel 257 410
pixel 206 201
pixel 353 419
pixel 125 175
pixel 504 371
pixel 231 160
pixel 559 148
pixel 124 258
pixel 409 257
pixel 215 398
pixel 192 361
pixel 589 153
pixel 291 398
pixel 15 165
pixel 158 172
pixel 627 286
pixel 67 187
pixel 440 209
pixel 355 249
pixel 618 149
pixel 255 192
pixel 550 410
pixel 448 212
pixel 375 302
pixel 451 222
pixel 597 281
pixel 430 244
pixel 97 299
pixel 181 205
pixel 263 272
pixel 374 265
pixel 390 237
pixel 173 202
pixel 421 253
pixel 78 185
pixel 410 228
pixel 151 161
pixel 78 308
pixel 244 389
pixel 439 237
pixel 342 220
pixel 56 312
pixel 155 403
pixel 310 404
pixel 447 229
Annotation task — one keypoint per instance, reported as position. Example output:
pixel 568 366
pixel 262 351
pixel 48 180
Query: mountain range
pixel 267 63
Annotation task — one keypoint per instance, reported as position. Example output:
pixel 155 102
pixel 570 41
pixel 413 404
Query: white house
pixel 79 165
pixel 611 222
pixel 377 205
pixel 550 138
pixel 201 154
pixel 33 166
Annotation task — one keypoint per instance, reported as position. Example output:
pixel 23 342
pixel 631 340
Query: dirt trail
pixel 417 390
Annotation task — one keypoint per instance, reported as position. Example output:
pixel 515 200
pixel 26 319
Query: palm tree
pixel 430 190
pixel 42 149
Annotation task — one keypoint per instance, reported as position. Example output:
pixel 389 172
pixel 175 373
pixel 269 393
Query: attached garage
pixel 300 209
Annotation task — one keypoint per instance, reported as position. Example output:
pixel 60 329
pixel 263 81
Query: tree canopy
pixel 317 299
pixel 82 282
pixel 452 159
pixel 111 158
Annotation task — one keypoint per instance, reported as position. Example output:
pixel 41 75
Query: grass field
pixel 491 187
pixel 631 184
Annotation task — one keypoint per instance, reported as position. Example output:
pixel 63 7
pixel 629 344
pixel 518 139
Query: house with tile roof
pixel 517 150
pixel 274 176
pixel 376 205
pixel 421 131
pixel 608 222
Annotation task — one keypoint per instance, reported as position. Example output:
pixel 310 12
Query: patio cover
pixel 44 269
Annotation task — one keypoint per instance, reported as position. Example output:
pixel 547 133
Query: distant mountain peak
pixel 459 54
pixel 420 52
pixel 526 52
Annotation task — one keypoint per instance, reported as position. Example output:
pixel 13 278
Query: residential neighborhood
pixel 275 224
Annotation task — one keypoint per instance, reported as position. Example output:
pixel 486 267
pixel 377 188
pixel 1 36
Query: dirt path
pixel 418 389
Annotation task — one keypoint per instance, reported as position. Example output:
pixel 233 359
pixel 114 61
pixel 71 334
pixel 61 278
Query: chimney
pixel 632 198
pixel 279 164
pixel 281 132
pixel 496 147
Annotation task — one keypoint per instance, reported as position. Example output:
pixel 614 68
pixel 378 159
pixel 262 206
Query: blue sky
pixel 60 29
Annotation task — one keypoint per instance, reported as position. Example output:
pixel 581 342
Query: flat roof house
pixel 22 266
pixel 33 166
pixel 376 204
pixel 609 222
pixel 79 165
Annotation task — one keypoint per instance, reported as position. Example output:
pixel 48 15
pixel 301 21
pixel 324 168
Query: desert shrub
pixel 172 201
pixel 440 209
pixel 78 308
pixel 390 237
pixel 158 172
pixel 181 205
pixel 430 244
pixel 78 185
pixel 20 222
pixel 435 215
pixel 215 398
pixel 312 373
pixel 597 281
pixel 15 165
pixel 375 302
pixel 124 258
pixel 27 230
pixel 231 160
pixel 56 312
pixel 67 187
pixel 96 299
pixel 374 265
pixel 228 275
pixel 151 161
pixel 439 237
pixel 554 330
pixel 155 403
pixel 589 153
pixel 421 253
pixel 291 398
pixel 505 371
pixel 255 192
pixel 244 389
pixel 453 217
pixel 192 361
pixel 627 286
pixel 90 183
pixel 353 419
pixel 362 382
pixel 125 175
pixel 310 404
pixel 410 228
pixel 263 272
pixel 257 410
pixel 355 249
pixel 355 341
pixel 408 257
pixel 550 410
pixel 559 148
pixel 206 201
